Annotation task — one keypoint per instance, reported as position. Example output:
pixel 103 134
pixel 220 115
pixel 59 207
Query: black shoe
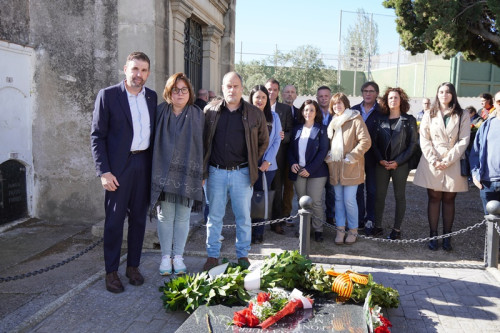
pixel 361 224
pixel 318 236
pixel 447 244
pixel 394 235
pixel 373 232
pixel 433 244
pixel 297 234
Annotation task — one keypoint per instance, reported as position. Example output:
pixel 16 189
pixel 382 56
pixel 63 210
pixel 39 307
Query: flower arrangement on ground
pixel 379 322
pixel 268 308
pixel 287 270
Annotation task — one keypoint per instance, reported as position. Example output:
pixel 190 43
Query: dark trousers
pixel 288 193
pixel 130 199
pixel 258 187
pixel 399 177
pixel 367 212
pixel 329 200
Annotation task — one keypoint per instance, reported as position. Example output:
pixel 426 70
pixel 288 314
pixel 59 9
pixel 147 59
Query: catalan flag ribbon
pixel 343 283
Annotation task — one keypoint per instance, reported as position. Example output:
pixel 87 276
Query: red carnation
pixel 263 297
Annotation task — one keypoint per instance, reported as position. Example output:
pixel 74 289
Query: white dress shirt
pixel 140 120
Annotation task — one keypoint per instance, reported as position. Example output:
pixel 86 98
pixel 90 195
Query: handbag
pixel 262 201
pixel 464 160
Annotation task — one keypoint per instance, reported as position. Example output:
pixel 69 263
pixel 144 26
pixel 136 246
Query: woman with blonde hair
pixel 444 136
pixel 349 141
pixel 177 169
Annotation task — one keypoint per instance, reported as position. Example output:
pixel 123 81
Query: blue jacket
pixel 371 123
pixel 478 157
pixel 317 148
pixel 112 132
pixel 274 143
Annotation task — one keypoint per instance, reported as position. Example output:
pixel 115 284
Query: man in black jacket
pixel 285 114
pixel 370 111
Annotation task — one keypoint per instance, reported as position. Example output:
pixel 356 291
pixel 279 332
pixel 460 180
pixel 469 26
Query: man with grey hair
pixel 201 98
pixel 235 138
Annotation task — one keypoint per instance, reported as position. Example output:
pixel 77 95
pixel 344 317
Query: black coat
pixel 402 141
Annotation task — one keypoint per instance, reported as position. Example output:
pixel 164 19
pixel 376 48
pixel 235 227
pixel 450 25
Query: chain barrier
pixel 413 241
pixel 51 267
pixel 283 219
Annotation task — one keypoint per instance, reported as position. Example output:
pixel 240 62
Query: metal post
pixel 305 225
pixel 493 208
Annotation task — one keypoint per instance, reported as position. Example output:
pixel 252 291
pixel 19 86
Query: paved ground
pixel 72 298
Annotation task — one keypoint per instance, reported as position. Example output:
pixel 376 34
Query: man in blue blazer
pixel 121 139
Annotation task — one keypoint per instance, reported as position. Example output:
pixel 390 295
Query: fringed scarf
pixel 177 171
pixel 337 144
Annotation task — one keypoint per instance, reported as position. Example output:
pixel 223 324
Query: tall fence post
pixel 493 208
pixel 305 203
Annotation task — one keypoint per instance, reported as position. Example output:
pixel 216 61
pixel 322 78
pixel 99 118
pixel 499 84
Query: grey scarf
pixel 177 155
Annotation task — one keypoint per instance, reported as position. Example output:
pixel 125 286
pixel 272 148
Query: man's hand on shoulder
pixel 109 181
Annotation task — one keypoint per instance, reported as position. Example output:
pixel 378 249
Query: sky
pixel 263 25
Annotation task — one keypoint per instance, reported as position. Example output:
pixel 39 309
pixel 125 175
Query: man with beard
pixel 121 139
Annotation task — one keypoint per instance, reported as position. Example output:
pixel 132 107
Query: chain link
pixel 283 219
pixel 418 240
pixel 51 267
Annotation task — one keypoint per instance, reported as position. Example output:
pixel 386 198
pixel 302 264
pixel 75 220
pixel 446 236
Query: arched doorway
pixel 13 197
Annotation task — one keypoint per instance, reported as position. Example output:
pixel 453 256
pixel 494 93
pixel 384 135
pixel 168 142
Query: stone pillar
pixel 211 47
pixel 228 40
pixel 181 11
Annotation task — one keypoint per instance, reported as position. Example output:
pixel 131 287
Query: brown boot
pixel 135 277
pixel 339 239
pixel 211 263
pixel 113 283
pixel 352 235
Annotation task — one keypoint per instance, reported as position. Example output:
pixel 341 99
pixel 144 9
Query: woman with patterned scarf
pixel 177 169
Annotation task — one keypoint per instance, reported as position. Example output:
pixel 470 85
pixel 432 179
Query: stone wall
pixel 80 47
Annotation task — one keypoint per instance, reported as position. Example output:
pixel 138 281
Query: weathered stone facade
pixel 76 48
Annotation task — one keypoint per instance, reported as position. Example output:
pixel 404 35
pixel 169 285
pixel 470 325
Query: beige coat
pixel 357 141
pixel 446 144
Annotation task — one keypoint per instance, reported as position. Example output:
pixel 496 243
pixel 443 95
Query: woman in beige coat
pixel 349 141
pixel 444 136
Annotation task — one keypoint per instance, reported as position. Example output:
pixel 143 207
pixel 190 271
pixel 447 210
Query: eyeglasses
pixel 184 90
pixel 369 91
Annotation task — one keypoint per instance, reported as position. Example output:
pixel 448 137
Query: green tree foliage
pixel 449 27
pixel 302 67
pixel 360 41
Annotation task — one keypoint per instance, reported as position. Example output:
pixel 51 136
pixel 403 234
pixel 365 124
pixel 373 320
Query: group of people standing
pixel 157 158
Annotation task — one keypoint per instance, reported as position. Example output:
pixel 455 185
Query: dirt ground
pixel 468 247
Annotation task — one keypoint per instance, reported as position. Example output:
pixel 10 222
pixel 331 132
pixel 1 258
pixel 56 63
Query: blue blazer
pixel 274 143
pixel 112 131
pixel 317 148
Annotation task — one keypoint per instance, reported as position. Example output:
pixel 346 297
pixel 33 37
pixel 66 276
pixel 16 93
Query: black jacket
pixel 403 140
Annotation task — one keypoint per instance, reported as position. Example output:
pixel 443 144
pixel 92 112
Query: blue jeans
pixel 236 184
pixel 173 228
pixel 490 191
pixel 257 231
pixel 346 206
